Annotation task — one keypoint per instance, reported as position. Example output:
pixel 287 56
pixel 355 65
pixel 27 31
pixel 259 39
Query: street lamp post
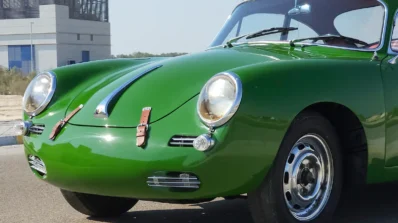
pixel 31 47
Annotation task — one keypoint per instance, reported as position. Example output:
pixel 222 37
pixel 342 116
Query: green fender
pixel 275 93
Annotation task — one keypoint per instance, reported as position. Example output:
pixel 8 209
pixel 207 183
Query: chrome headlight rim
pixel 48 98
pixel 232 110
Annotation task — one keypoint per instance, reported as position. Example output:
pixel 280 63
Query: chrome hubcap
pixel 308 177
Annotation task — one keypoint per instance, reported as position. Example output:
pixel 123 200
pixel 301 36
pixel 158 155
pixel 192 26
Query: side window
pixel 394 40
pixel 365 24
pixel 251 24
pixel 304 31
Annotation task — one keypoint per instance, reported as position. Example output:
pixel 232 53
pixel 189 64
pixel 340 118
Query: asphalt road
pixel 23 198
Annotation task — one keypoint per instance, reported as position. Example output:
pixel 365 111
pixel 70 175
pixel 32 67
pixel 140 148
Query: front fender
pixel 275 93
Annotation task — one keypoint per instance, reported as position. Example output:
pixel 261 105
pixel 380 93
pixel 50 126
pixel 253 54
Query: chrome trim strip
pixel 184 181
pixel 37 164
pixel 180 182
pixel 382 41
pixel 102 109
pixel 173 178
pixel 39 169
pixel 243 2
pixel 36 129
pixel 181 143
pixel 193 187
pixel 390 50
pixel 47 100
pixel 383 35
pixel 183 139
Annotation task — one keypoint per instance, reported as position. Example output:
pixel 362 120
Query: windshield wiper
pixel 260 33
pixel 327 37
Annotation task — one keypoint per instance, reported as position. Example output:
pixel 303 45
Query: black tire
pixel 268 204
pixel 98 206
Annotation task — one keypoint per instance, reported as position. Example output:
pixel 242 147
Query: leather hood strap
pixel 58 127
pixel 142 128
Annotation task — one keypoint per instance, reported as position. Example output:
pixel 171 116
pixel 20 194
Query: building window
pixel 78 36
pixel 85 56
pixel 20 58
pixel 92 37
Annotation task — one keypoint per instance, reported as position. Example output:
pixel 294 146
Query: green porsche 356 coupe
pixel 294 103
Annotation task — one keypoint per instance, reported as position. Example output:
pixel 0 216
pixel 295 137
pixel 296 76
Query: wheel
pixel 305 182
pixel 98 206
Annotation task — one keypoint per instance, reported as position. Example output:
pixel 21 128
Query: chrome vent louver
pixel 37 129
pixel 178 181
pixel 37 164
pixel 182 141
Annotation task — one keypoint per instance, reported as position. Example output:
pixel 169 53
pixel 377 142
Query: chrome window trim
pixel 231 112
pixel 390 50
pixel 49 97
pixel 382 40
pixel 102 109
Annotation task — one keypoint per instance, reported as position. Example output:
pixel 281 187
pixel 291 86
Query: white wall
pixel 24 39
pixel 70 47
pixel 17 32
pixel 46 57
pixel 74 52
pixel 22 26
pixel 3 56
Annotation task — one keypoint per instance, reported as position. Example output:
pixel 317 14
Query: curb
pixel 11 140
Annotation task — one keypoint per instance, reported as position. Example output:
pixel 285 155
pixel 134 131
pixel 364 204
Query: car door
pixel 390 79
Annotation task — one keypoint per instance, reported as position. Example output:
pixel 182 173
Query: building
pixel 40 35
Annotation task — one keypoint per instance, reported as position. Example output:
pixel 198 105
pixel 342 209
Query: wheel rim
pixel 308 177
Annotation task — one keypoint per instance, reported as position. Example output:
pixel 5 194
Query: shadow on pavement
pixel 217 211
pixel 376 204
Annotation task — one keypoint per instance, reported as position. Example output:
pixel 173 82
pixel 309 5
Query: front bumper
pixel 106 161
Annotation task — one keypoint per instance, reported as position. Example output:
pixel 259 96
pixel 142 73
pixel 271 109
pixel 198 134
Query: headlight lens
pixel 39 93
pixel 219 99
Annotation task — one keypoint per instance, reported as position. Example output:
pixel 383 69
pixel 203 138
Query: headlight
pixel 219 99
pixel 39 93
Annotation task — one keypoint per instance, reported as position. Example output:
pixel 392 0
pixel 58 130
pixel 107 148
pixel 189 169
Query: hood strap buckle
pixel 143 127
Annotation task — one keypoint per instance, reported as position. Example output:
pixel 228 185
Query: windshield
pixel 359 19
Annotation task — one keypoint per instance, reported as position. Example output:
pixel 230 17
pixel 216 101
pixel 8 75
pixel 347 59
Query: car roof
pixel 391 4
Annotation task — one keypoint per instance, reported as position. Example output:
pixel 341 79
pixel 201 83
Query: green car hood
pixel 177 81
pixel 164 89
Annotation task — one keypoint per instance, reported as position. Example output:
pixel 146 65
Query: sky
pixel 160 26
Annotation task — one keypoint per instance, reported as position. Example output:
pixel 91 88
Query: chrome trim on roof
pixel 383 35
pixel 390 50
pixel 102 109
